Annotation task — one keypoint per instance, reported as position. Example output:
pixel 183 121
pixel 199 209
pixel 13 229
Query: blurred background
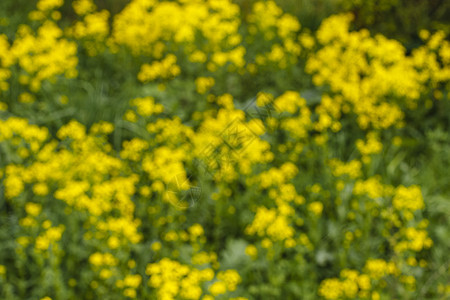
pixel 399 19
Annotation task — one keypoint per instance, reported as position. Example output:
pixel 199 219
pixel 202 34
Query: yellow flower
pixel 26 98
pixel 40 189
pixel 156 246
pixel 408 198
pixel 196 230
pixel 231 279
pixel 96 259
pixel 266 243
pixel 207 274
pixel 330 288
pixel 200 258
pixel 351 168
pixel 133 280
pixel 146 106
pixel 23 241
pixel 113 242
pixel 164 69
pixel 203 84
pixel 131 263
pixel 33 209
pixel 105 273
pixel 376 268
pixel 46 224
pixel 49 5
pixel 316 188
pixel 251 251
pixel 83 7
pixel 130 293
pixel 424 34
pixel 316 207
pixel 218 288
pixel 130 116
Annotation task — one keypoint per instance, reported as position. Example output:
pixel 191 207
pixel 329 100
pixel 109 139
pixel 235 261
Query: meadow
pixel 219 149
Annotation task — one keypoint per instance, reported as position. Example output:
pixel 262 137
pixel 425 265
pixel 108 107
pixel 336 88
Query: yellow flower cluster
pixel 95 25
pixel 227 281
pixel 164 25
pixel 372 187
pixel 26 98
pixel 203 84
pixel 134 149
pixel 365 71
pixel 44 55
pixel 433 58
pixel 146 106
pixel 316 208
pixel 93 29
pixel 174 280
pixel 353 284
pixel 413 239
pixel 378 268
pixel 274 176
pixel 6 60
pixel 352 168
pixel 33 209
pixel 330 288
pixel 102 128
pixel 18 130
pixel 83 7
pixel 408 198
pixel 267 222
pixel 251 251
pixel 98 259
pixel 164 69
pixel 371 146
pixel 298 122
pixel 44 5
pixel 203 257
pixel 329 111
pixel 49 237
pixel 13 182
pixel 130 283
pixel 277 224
pixel 168 161
pixel 268 21
pixel 225 140
pixel 87 180
pixel 170 132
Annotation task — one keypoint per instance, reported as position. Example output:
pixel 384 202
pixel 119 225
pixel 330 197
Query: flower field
pixel 219 149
